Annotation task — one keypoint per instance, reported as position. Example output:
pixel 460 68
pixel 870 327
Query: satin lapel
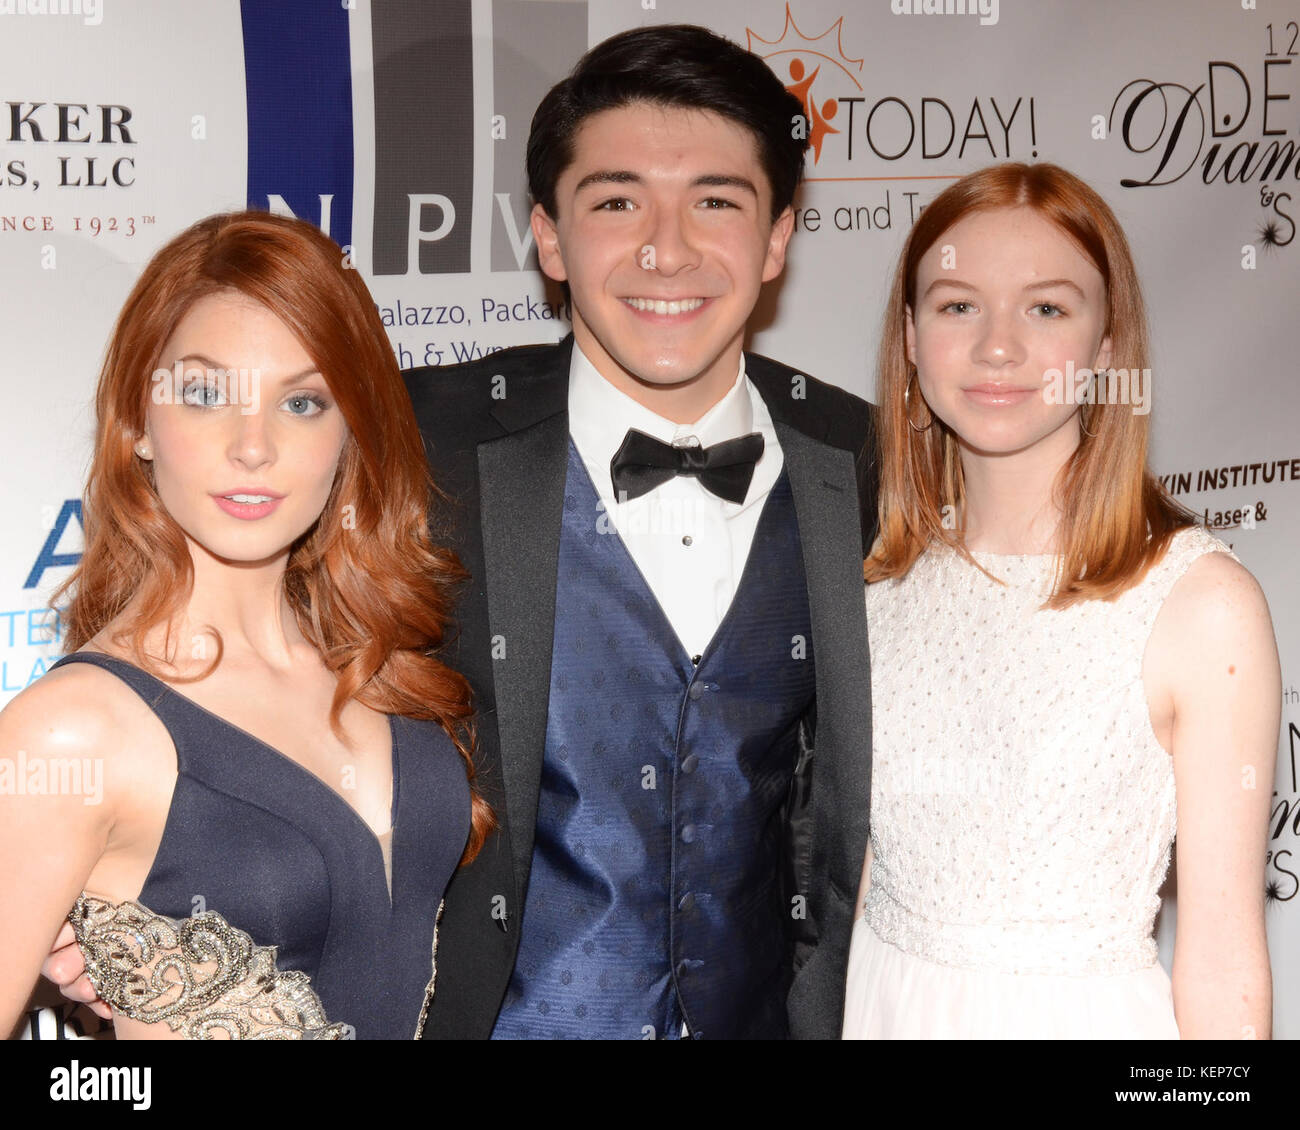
pixel 521 490
pixel 824 484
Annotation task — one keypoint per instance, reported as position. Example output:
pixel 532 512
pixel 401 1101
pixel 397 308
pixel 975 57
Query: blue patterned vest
pixel 655 894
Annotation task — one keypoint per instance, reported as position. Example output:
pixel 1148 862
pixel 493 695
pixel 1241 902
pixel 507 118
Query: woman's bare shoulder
pixel 77 710
pixel 1216 597
pixel 1213 631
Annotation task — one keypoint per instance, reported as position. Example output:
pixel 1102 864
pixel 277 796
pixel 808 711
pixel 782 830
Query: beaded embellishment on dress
pixel 201 975
pixel 433 975
pixel 1022 809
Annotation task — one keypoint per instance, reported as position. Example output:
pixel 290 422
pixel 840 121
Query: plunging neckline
pixel 394 775
pixel 392 737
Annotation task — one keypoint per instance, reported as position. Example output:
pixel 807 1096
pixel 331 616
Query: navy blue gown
pixel 259 852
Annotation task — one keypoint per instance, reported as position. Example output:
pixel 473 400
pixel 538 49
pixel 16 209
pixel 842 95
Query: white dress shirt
pixel 690 545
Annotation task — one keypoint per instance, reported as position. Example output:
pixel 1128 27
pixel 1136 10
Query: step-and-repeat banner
pixel 399 127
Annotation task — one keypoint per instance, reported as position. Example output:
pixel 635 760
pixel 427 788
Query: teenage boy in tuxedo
pixel 666 629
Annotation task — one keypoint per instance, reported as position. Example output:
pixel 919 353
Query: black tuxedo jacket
pixel 497 433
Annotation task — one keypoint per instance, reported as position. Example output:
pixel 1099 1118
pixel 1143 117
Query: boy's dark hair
pixel 670 65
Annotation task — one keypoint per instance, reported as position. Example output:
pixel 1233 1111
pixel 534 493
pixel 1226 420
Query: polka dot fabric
pixel 1022 808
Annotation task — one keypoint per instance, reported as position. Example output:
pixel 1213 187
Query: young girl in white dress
pixel 1065 667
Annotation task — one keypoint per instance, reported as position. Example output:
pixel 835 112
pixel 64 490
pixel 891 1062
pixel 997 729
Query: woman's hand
pixel 66 967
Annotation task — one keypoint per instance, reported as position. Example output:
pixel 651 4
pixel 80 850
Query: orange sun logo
pixel 802 60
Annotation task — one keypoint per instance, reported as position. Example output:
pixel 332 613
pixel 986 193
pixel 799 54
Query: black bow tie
pixel 642 463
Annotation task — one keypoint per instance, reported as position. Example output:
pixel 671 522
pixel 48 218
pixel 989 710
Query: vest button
pixel 689 762
pixel 688 834
pixel 687 901
pixel 687 539
pixel 695 691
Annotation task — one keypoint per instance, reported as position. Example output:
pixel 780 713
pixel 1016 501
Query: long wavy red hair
pixel 367 585
pixel 1116 517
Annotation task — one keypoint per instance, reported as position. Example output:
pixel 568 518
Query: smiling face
pixel 664 235
pixel 1001 298
pixel 267 431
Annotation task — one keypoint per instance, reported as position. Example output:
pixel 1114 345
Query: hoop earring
pixel 1091 435
pixel 907 403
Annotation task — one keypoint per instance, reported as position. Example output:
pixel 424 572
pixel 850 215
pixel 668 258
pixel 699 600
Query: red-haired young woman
pixel 1062 661
pixel 282 765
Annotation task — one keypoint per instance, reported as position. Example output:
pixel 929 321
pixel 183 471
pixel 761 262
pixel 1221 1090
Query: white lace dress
pixel 1022 810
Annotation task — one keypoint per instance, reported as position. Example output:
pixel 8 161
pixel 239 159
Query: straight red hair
pixel 1116 517
pixel 367 585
